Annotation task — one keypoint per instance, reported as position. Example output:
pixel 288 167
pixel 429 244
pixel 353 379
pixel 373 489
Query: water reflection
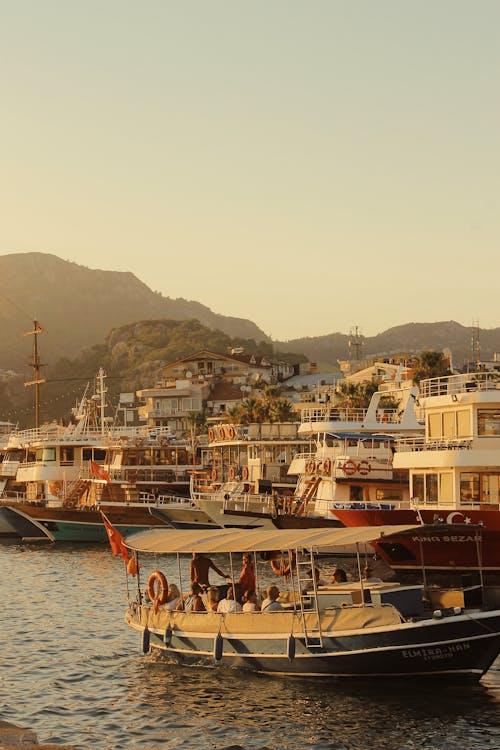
pixel 75 673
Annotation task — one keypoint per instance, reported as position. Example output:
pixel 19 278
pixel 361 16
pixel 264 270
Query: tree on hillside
pixel 355 395
pixel 263 408
pixel 431 364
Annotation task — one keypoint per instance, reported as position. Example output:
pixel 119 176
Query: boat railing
pixel 245 502
pixel 332 414
pixel 418 444
pixel 462 383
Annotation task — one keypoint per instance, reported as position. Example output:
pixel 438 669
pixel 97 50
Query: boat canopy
pixel 160 541
pixel 362 436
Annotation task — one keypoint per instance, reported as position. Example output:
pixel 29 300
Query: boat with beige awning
pixel 358 628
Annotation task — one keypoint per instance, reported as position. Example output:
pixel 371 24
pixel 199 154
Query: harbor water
pixel 73 672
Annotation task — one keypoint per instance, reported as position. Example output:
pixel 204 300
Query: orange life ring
pixel 213 475
pixel 157 594
pixel 244 473
pixel 231 431
pixel 310 466
pixel 211 434
pixel 364 468
pixel 232 473
pixel 278 565
pixel 221 432
pixel 327 466
pixel 349 467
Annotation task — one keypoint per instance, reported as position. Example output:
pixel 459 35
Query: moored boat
pixel 454 472
pixel 332 631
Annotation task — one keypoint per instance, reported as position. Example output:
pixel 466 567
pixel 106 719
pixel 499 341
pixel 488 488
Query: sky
pixel 311 166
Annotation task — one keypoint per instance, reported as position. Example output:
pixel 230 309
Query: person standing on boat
pixel 200 566
pixel 247 575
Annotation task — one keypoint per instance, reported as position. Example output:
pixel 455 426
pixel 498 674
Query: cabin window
pixel 355 494
pixel 387 493
pixel 469 487
pixel 490 488
pixel 463 423
pixel 488 422
pixel 425 487
pixel 435 425
pixel 87 454
pixel 99 454
pixel 418 486
pixel 46 454
pixel 431 488
pixel 67 455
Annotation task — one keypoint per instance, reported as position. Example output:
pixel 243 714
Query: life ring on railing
pixel 310 466
pixel 213 475
pixel 349 467
pixel 364 468
pixel 244 473
pixel 327 467
pixel 211 434
pixel 221 432
pixel 157 588
pixel 279 566
pixel 232 473
pixel 231 431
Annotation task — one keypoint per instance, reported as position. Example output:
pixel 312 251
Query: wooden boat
pixel 337 631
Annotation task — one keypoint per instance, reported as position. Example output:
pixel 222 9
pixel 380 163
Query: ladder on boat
pixel 309 610
pixel 307 495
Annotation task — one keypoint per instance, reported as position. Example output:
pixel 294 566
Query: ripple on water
pixel 74 672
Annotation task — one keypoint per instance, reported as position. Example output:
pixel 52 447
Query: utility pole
pixel 36 365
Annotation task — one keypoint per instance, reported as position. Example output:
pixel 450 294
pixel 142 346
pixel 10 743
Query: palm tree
pixel 431 364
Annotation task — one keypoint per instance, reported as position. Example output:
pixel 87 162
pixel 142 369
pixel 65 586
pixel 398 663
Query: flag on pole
pixel 98 471
pixel 115 539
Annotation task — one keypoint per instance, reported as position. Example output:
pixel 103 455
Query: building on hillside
pixel 210 381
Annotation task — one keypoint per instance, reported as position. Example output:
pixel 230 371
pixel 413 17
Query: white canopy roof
pixel 162 540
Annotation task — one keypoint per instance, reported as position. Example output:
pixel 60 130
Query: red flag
pixel 115 539
pixel 98 471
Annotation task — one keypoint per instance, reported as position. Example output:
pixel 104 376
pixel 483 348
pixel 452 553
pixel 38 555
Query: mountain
pixel 78 306
pixel 410 338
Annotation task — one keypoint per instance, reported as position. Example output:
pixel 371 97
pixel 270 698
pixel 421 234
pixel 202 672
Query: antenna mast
pixel 355 343
pixel 36 365
pixel 475 345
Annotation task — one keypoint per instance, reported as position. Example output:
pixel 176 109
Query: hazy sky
pixel 308 165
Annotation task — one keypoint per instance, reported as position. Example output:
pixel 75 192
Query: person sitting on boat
pixel 247 575
pixel 193 601
pixel 339 576
pixel 317 576
pixel 368 576
pixel 230 603
pixel 212 598
pixel 271 603
pixel 173 597
pixel 250 601
pixel 198 571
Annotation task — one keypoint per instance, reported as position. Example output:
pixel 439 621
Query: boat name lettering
pixel 440 652
pixel 454 538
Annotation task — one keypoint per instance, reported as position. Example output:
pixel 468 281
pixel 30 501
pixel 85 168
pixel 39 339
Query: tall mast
pixel 36 365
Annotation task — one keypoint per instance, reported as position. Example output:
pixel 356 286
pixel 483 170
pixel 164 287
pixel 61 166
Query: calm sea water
pixel 72 671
